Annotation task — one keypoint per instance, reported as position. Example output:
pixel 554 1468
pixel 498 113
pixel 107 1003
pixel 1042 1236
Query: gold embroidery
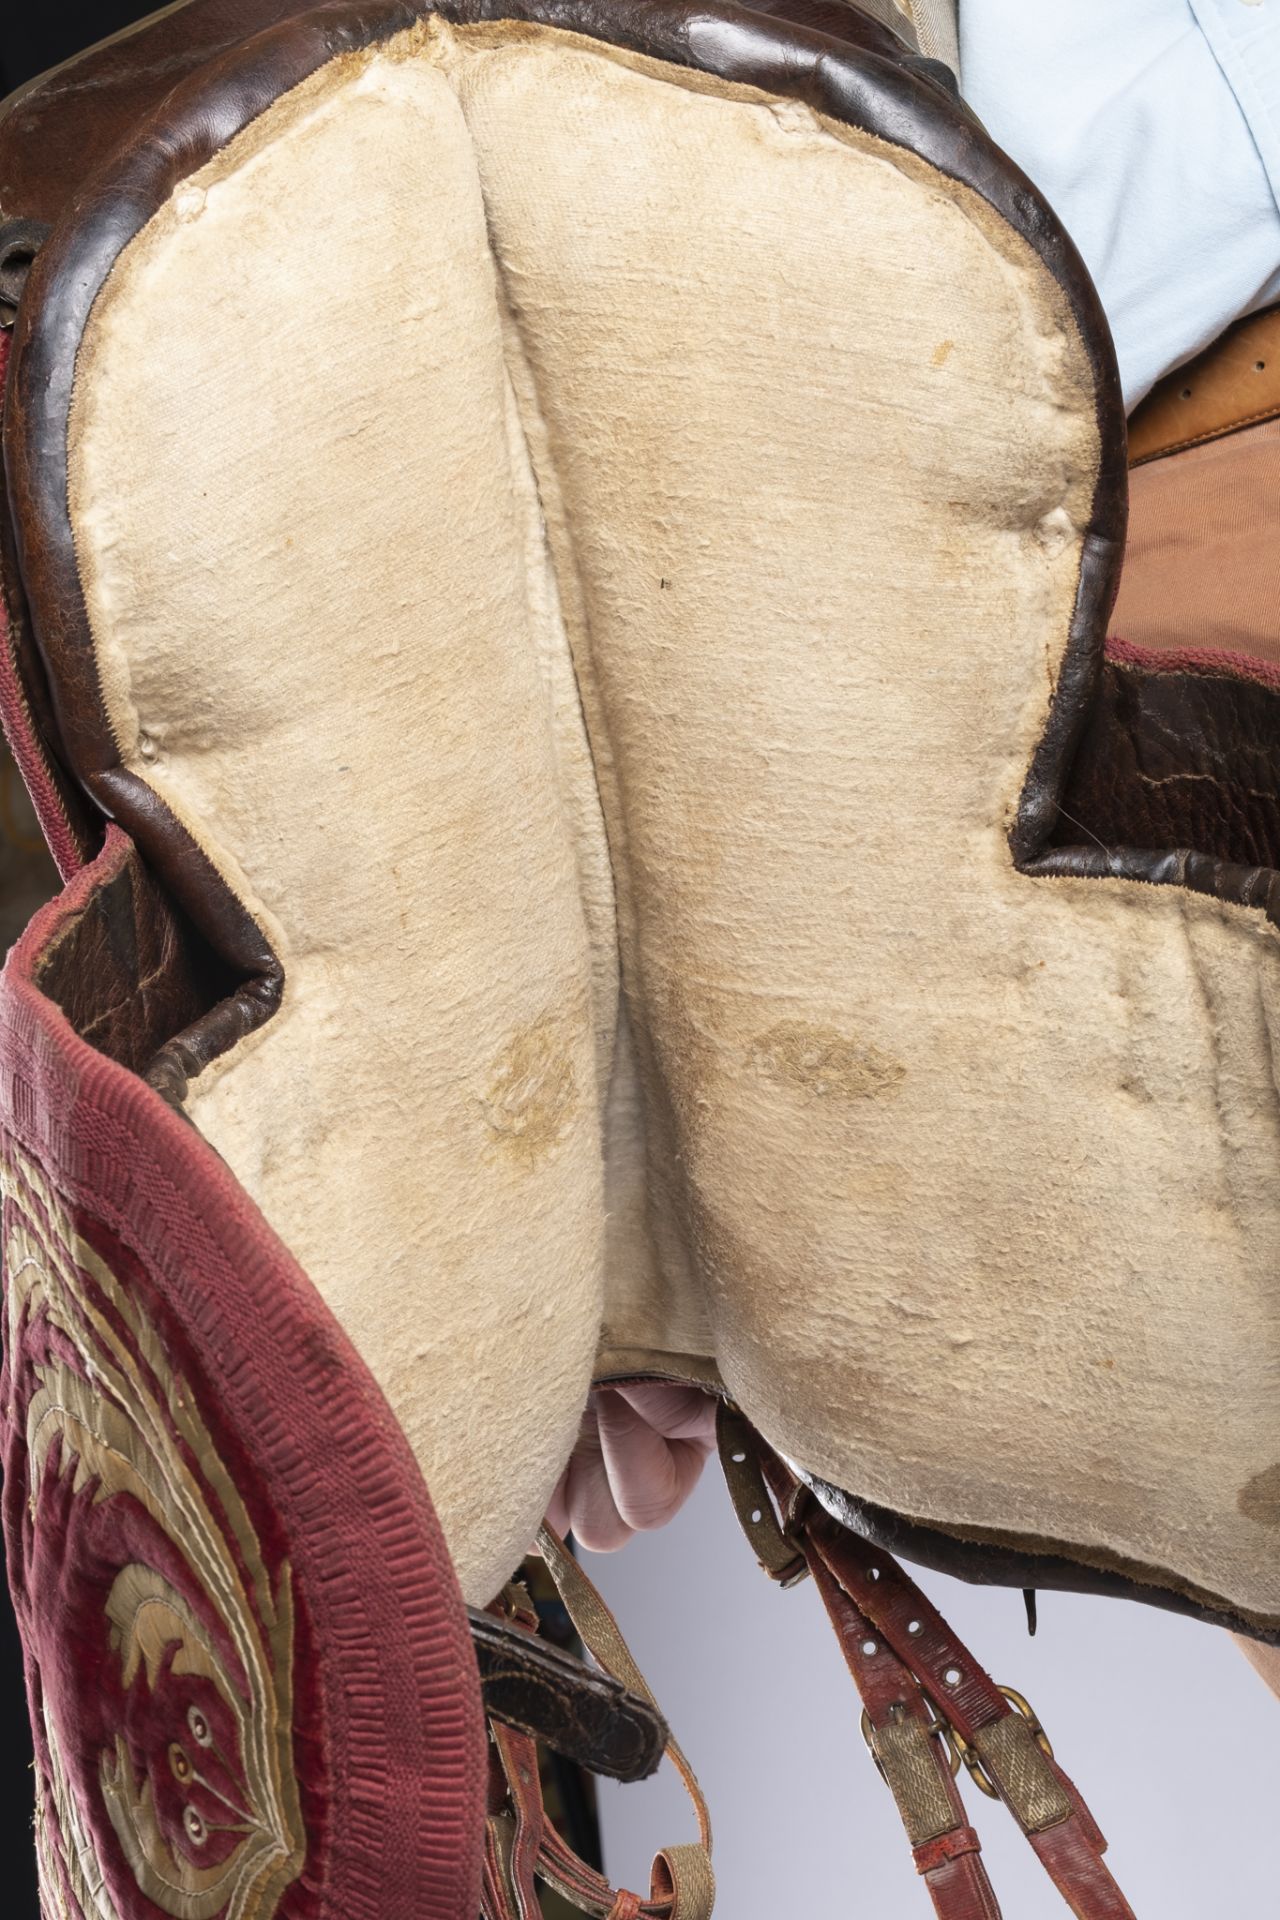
pixel 123 1436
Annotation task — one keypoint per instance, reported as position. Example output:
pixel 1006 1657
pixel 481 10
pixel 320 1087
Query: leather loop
pixel 948 1846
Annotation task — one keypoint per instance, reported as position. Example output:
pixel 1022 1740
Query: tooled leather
pixel 127 971
pixel 580 1712
pixel 1180 759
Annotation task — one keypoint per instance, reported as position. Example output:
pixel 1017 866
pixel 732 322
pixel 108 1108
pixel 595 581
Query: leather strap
pixel 518 1755
pixel 772 1543
pixel 920 1683
pixel 522 1846
pixel 906 1745
pixel 1234 383
pixel 686 1871
pixel 587 1716
pixel 994 1738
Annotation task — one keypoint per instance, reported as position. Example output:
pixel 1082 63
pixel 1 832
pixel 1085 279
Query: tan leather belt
pixel 1234 383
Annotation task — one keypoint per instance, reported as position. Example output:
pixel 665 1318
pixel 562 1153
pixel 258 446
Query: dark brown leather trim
pixel 574 1709
pixel 869 81
pixel 128 970
pixel 993 1560
pixel 63 124
pixel 1183 757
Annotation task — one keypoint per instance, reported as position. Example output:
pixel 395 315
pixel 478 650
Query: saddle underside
pixel 589 549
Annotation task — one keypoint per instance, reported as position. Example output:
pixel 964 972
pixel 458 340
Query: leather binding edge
pixel 72 829
pixel 988 1559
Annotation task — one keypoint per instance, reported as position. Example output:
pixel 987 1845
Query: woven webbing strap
pixel 930 25
pixel 683 1886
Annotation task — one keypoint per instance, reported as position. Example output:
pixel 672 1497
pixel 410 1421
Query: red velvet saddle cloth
pixel 233 1712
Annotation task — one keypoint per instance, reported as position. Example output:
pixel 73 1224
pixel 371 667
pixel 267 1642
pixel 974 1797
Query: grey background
pixel 1170 1735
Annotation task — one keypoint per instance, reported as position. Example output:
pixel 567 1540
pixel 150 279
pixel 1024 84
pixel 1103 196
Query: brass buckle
pixel 963 1750
pixel 937 1729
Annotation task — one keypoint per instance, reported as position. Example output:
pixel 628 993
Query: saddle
pixel 557 559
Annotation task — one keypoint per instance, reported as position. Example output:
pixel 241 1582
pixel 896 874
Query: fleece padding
pixel 588 550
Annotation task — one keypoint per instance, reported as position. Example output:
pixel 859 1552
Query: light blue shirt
pixel 1153 127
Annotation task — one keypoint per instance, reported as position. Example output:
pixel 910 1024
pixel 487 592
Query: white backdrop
pixel 1164 1726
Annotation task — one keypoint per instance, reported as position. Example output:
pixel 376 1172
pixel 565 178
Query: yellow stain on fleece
pixel 532 1091
pixel 825 1062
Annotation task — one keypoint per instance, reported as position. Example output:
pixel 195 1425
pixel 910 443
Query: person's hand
pixel 638 1458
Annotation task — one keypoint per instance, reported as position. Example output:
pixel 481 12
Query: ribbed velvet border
pixel 403 1759
pixel 1239 666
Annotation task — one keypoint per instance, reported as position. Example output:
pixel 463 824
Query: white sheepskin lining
pixel 588 550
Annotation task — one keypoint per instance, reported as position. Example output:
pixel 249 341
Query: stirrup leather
pixel 929 1707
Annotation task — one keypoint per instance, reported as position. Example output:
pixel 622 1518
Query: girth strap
pixel 922 1685
pixel 906 1743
